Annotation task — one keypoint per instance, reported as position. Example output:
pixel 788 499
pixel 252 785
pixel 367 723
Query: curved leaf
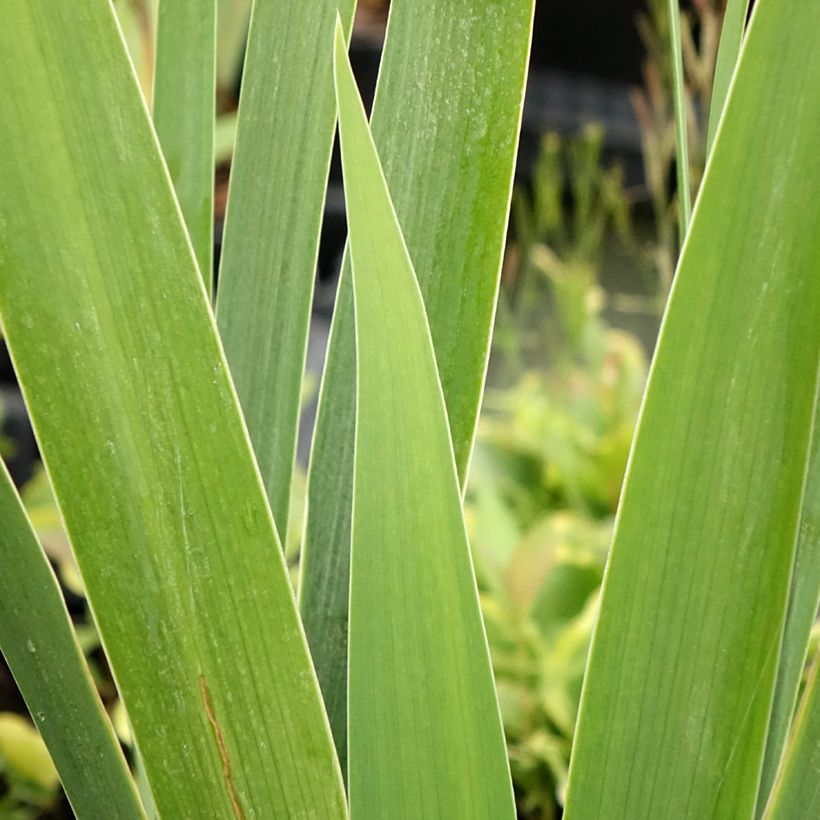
pixel 446 121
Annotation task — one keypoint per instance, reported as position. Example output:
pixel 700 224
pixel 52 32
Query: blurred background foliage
pixel 588 266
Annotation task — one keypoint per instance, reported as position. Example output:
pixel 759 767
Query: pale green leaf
pixel 425 732
pixel 731 39
pixel 800 617
pixel 39 645
pixel 796 793
pixel 679 686
pixel 445 120
pixel 109 326
pixel 271 242
pixel 184 111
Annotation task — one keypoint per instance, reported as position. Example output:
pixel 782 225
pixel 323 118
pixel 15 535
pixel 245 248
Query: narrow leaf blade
pixel 797 790
pixel 731 39
pixel 803 603
pixel 271 241
pixel 450 177
pixel 40 647
pixel 142 436
pixel 425 730
pixel 679 685
pixel 184 113
pixel 681 120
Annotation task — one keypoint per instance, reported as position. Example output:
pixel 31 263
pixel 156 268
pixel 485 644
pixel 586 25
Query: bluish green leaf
pixel 184 112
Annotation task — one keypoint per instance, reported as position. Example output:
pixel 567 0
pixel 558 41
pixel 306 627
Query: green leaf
pixel 683 662
pixel 184 112
pixel 425 731
pixel 731 39
pixel 39 645
pixel 800 617
pixel 797 790
pixel 681 120
pixel 278 180
pixel 109 326
pixel 446 121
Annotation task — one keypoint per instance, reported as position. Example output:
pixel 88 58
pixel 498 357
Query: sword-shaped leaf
pixel 796 792
pixel 731 39
pixel 425 730
pixel 114 343
pixel 184 111
pixel 803 601
pixel 446 121
pixel 677 696
pixel 277 195
pixel 38 642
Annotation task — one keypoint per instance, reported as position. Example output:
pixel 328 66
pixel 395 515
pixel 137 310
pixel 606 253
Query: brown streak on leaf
pixel 222 748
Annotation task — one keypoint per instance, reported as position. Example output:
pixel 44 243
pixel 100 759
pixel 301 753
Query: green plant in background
pixel 153 470
pixel 655 107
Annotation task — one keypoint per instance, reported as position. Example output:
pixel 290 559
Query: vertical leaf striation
pixel 425 730
pixel 446 121
pixel 679 686
pixel 113 339
pixel 279 175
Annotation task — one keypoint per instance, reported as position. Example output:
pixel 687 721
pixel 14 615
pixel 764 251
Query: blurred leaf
pixel 25 753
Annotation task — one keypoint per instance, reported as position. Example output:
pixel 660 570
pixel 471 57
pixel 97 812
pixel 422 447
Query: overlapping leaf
pixel 111 333
pixel 38 642
pixel 425 731
pixel 445 120
pixel 277 194
pixel 184 111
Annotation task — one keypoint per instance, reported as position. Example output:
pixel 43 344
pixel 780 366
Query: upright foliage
pixel 38 642
pixel 445 120
pixel 142 436
pixel 424 736
pixel 797 790
pixel 278 180
pixel 682 667
pixel 731 39
pixel 184 110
